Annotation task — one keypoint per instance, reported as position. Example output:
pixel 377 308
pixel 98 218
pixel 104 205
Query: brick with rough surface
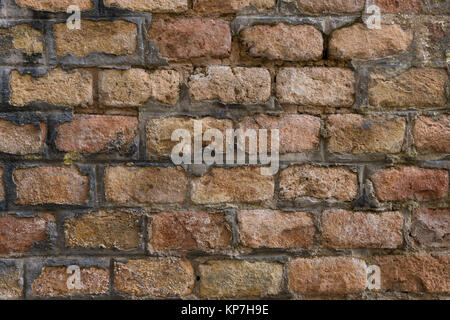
pixel 323 87
pixel 11 280
pixel 327 276
pixel 431 228
pixel 2 189
pixel 145 185
pixel 89 134
pixel 231 85
pixel 276 229
pixel 55 5
pixel 318 183
pixel 160 277
pixel 399 6
pixel 346 229
pixel 22 139
pixel 22 38
pixel 432 134
pixel 231 6
pixel 410 183
pixel 283 42
pixel 156 6
pixel 229 279
pixel 331 6
pixel 51 185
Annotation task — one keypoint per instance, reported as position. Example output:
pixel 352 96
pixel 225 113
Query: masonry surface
pixel 86 118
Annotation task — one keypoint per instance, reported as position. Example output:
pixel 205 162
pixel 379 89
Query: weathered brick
pixel 116 37
pixel 410 183
pixel 331 6
pixel 415 88
pixel 22 139
pixel 298 133
pixel 57 87
pixel 103 229
pixel 90 134
pixel 345 43
pixel 134 87
pixel 186 38
pixel 189 231
pixel 231 85
pixel 316 86
pixel 228 279
pixel 156 6
pixel 431 228
pixel 52 282
pixel 327 276
pixel 353 133
pixel 241 184
pixel 159 132
pixel 51 185
pixel 399 6
pixel 415 273
pixel 276 229
pixel 345 229
pixel 432 134
pixel 2 189
pixel 231 6
pixel 146 185
pixel 22 38
pixel 55 5
pixel 11 280
pixel 163 277
pixel 283 42
pixel 19 234
pixel 318 182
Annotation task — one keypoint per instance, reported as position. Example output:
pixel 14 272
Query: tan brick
pixel 163 277
pixel 345 229
pixel 432 134
pixel 415 88
pixel 11 280
pixel 410 183
pixel 399 6
pixel 110 37
pixel 134 87
pixel 331 6
pixel 147 185
pixel 55 5
pixel 390 40
pixel 298 133
pixel 431 228
pixel 186 38
pixel 90 134
pixel 276 229
pixel 21 38
pixel 415 273
pixel 327 276
pixel 353 133
pixel 159 132
pixel 189 231
pixel 52 282
pixel 231 85
pixel 327 87
pixel 103 229
pixel 318 183
pixel 228 279
pixel 283 42
pixel 22 139
pixel 18 235
pixel 156 6
pixel 51 185
pixel 241 184
pixel 57 87
pixel 231 6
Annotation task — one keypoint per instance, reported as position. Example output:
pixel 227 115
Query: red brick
pixel 431 228
pixel 345 229
pixel 2 189
pixel 415 273
pixel 331 6
pixel 18 235
pixel 327 276
pixel 51 185
pixel 410 183
pixel 231 6
pixel 186 38
pixel 432 134
pixel 275 229
pixel 399 6
pixel 94 134
pixel 189 231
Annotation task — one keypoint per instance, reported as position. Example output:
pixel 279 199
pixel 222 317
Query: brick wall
pixel 85 123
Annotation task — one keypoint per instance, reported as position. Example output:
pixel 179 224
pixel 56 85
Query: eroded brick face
pixel 55 5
